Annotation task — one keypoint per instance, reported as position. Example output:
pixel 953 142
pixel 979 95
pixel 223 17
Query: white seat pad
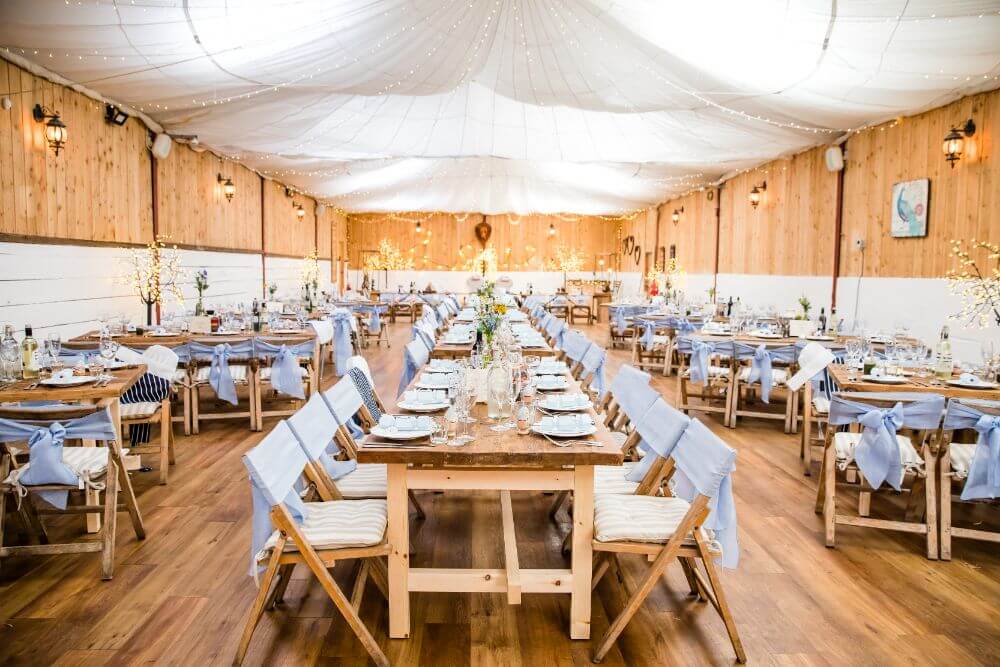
pixel 339 524
pixel 778 375
pixel 846 442
pixel 961 454
pixel 368 480
pixel 637 518
pixel 139 410
pixel 265 373
pixel 238 371
pixel 821 405
pixel 611 479
pixel 89 462
pixel 180 376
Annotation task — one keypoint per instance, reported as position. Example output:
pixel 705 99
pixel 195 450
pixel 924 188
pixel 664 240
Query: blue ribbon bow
pixel 700 353
pixel 285 375
pixel 341 339
pixel 877 453
pixel 760 371
pixel 220 377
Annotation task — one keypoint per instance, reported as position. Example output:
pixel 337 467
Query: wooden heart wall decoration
pixel 630 247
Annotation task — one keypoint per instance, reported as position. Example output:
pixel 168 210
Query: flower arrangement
pixel 663 279
pixel 310 278
pixel 806 306
pixel 272 289
pixel 153 271
pixel 200 284
pixel 976 282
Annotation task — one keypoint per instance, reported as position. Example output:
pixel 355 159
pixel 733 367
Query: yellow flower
pixel 500 308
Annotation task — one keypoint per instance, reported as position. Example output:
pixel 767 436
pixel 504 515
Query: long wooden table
pixel 838 372
pixel 502 462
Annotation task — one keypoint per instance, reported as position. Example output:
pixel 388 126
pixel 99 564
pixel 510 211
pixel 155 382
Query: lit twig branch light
pixel 310 276
pixel 976 282
pixel 389 258
pixel 154 271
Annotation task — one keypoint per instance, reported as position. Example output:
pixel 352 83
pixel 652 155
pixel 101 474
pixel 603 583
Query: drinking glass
pixel 439 431
pixel 54 341
pixel 108 348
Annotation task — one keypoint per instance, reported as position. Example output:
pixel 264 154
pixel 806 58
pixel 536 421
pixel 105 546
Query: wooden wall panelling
pixel 642 229
pixel 791 231
pixel 963 201
pixel 324 233
pixel 96 189
pixel 694 234
pixel 284 233
pixel 193 209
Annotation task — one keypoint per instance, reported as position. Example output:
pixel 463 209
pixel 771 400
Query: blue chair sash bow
pixel 415 355
pixel 45 449
pixel 341 339
pixel 593 362
pixel 700 355
pixel 220 377
pixel 286 376
pixel 983 481
pixel 877 453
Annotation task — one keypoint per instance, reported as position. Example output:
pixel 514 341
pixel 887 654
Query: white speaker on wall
pixel 320 209
pixel 161 146
pixel 834 158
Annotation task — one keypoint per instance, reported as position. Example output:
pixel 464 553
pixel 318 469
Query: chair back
pixel 593 363
pixel 343 400
pixel 660 427
pixel 882 414
pixel 575 345
pixel 983 477
pixel 704 466
pixel 275 466
pixel 359 362
pixel 415 356
pixel 313 426
pixel 632 391
pixel 323 329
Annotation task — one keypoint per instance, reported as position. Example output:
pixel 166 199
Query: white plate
pixel 553 386
pixel 543 369
pixel 766 335
pixel 590 430
pixel 577 408
pixel 393 434
pixel 885 379
pixel 426 385
pixel 456 341
pixel 827 338
pixel 423 407
pixel 442 366
pixel 162 334
pixel 978 385
pixel 73 381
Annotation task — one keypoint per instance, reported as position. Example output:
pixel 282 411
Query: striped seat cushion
pixel 87 462
pixel 846 442
pixel 611 479
pixel 339 524
pixel 713 372
pixel 139 410
pixel 368 480
pixel 238 371
pixel 265 373
pixel 961 454
pixel 637 518
pixel 779 375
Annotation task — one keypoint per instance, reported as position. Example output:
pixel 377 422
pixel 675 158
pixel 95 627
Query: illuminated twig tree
pixel 154 271
pixel 976 282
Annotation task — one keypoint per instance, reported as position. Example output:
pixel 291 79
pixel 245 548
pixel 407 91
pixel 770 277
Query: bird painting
pixel 909 208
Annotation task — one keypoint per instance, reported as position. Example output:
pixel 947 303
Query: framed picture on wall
pixel 909 208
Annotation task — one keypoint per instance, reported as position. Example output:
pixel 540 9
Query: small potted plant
pixel 801 326
pixel 272 289
pixel 200 284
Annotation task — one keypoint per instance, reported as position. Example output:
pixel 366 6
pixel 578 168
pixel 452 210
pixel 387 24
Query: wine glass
pixel 108 348
pixel 54 341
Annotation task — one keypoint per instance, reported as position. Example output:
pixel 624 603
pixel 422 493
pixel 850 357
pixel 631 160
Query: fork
pixel 570 443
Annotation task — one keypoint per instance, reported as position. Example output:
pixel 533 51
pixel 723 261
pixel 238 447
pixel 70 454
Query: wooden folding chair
pixel 134 414
pixel 716 388
pixel 920 414
pixel 667 528
pixel 658 356
pixel 100 467
pixel 743 391
pixel 328 532
pixel 580 307
pixel 265 353
pixel 200 367
pixel 955 462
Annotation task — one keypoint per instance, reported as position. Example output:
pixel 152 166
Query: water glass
pixel 439 431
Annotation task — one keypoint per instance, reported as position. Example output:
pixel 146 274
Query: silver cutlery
pixel 570 443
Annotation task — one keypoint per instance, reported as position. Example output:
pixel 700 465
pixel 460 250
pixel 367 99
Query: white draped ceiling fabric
pixel 521 106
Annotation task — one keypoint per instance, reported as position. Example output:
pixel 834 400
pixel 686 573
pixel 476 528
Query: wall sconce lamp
pixel 228 187
pixel 418 228
pixel 954 142
pixel 299 211
pixel 676 216
pixel 55 130
pixel 552 229
pixel 755 194
pixel 114 115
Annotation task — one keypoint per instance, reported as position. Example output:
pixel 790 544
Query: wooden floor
pixel 180 596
